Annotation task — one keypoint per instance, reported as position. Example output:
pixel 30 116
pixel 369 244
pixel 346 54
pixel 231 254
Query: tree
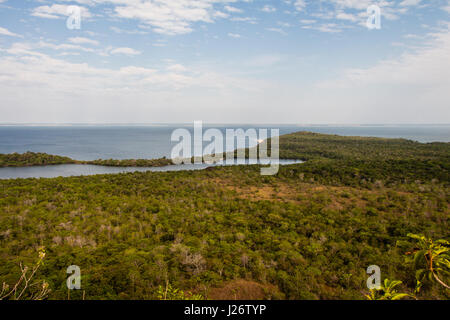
pixel 431 259
pixel 387 291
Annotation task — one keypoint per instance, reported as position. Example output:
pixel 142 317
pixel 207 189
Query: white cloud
pixel 170 17
pixel 410 2
pixel 233 9
pixel 220 14
pixel 245 19
pixel 357 4
pixel 6 32
pixel 346 16
pixel 122 31
pixel 412 88
pixel 268 9
pixel 63 47
pixel 307 21
pixel 428 66
pixel 81 40
pixel 355 11
pixel 300 5
pixel 326 27
pixel 46 89
pixel 234 35
pixel 277 30
pixel 126 51
pixel 178 68
pixel 57 11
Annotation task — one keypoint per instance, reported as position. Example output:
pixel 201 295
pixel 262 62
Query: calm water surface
pixel 68 170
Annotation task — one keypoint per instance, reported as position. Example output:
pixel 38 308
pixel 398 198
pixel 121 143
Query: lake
pixel 68 170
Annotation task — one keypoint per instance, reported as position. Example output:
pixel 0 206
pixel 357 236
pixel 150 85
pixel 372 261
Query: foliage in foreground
pixel 387 291
pixel 26 288
pixel 431 259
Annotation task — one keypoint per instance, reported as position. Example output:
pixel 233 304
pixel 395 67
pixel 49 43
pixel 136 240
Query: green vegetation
pixel 31 159
pixel 387 291
pixel 132 163
pixel 169 293
pixel 431 259
pixel 309 232
pixel 309 146
pixel 42 159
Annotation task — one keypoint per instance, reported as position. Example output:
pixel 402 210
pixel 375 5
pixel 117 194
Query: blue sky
pixel 259 61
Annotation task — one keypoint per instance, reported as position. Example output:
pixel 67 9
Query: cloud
pixel 245 19
pixel 326 27
pixel 177 68
pixel 233 9
pixel 300 5
pixel 428 66
pixel 80 40
pixel 277 30
pixel 122 31
pixel 234 35
pixel 63 47
pixel 268 9
pixel 406 3
pixel 57 11
pixel 308 21
pixel 125 51
pixel 43 88
pixel 355 11
pixel 170 17
pixel 346 16
pixel 6 32
pixel 412 88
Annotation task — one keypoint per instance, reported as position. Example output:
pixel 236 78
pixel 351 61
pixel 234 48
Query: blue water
pixel 149 142
pixel 69 170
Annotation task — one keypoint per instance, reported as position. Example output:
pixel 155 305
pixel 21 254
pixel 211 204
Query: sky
pixel 224 61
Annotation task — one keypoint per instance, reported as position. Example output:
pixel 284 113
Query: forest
pixel 309 232
pixel 41 159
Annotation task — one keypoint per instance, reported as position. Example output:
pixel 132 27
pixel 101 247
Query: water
pixel 153 141
pixel 68 170
pixel 150 142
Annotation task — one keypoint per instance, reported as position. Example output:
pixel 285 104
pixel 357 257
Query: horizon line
pixel 210 123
